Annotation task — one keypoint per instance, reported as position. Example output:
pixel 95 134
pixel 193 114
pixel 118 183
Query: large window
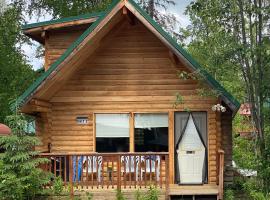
pixel 112 132
pixel 151 132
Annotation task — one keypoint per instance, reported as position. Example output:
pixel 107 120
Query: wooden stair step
pixel 193 189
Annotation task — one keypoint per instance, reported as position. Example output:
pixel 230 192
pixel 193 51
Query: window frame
pixel 151 112
pixel 131 126
pixel 94 127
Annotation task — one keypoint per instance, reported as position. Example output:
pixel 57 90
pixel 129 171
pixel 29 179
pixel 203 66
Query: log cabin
pixel 106 113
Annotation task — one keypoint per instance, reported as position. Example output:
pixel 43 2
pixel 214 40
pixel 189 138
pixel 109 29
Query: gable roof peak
pixel 157 30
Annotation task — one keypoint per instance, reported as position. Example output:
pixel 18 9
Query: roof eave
pixel 35 30
pixel 62 20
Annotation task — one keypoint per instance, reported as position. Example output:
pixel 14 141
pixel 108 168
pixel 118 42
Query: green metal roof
pixel 216 85
pixel 62 20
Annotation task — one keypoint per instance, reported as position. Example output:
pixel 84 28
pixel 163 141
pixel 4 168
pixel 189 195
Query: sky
pixel 30 50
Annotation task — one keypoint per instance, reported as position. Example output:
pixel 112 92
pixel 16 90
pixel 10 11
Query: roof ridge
pixel 64 19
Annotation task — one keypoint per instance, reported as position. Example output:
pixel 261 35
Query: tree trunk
pixel 151 8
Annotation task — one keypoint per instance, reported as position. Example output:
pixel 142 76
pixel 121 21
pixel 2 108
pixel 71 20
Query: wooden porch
pixel 124 171
pixel 110 170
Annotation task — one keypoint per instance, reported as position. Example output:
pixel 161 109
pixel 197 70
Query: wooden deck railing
pixel 109 170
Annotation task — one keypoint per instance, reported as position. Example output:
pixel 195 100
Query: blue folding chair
pixel 77 171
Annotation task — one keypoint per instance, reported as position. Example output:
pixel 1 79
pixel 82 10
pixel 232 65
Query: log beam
pixel 39 102
pixel 36 105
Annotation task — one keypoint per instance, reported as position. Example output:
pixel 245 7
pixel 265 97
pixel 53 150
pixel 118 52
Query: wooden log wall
pixel 56 43
pixel 43 131
pixel 134 73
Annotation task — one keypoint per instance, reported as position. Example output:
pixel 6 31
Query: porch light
pixel 218 108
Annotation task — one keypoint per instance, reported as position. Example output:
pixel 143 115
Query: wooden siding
pixel 57 42
pixel 43 131
pixel 133 73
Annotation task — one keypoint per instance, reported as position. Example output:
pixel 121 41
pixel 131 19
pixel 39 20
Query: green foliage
pixel 15 74
pixel 138 195
pixel 186 109
pixel 67 8
pixel 58 186
pixel 186 75
pixel 231 39
pixel 243 153
pixel 259 196
pixel 179 100
pixel 246 157
pixel 151 194
pixel 120 195
pixel 238 183
pixel 229 194
pixel 20 176
pixel 207 92
pixel 203 88
pixel 253 190
pixel 212 46
pixel 157 9
pixel 89 195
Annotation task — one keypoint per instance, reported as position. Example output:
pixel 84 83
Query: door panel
pixel 190 166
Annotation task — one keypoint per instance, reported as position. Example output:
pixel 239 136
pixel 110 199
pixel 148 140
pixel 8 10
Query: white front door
pixel 190 166
pixel 191 155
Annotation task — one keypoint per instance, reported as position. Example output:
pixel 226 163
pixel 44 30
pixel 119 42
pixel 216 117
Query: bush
pixel 151 194
pixel 228 194
pixel 89 196
pixel 254 191
pixel 238 183
pixel 119 195
pixel 258 196
pixel 20 176
pixel 58 186
pixel 138 195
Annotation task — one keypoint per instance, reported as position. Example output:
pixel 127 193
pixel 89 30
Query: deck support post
pixel 119 172
pixel 167 175
pixel 221 174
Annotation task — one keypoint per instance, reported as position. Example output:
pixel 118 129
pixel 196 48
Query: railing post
pixel 167 176
pixel 71 177
pixel 221 174
pixel 167 171
pixel 119 172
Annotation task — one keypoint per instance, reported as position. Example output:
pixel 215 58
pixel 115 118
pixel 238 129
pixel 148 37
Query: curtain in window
pixel 157 120
pixel 112 125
